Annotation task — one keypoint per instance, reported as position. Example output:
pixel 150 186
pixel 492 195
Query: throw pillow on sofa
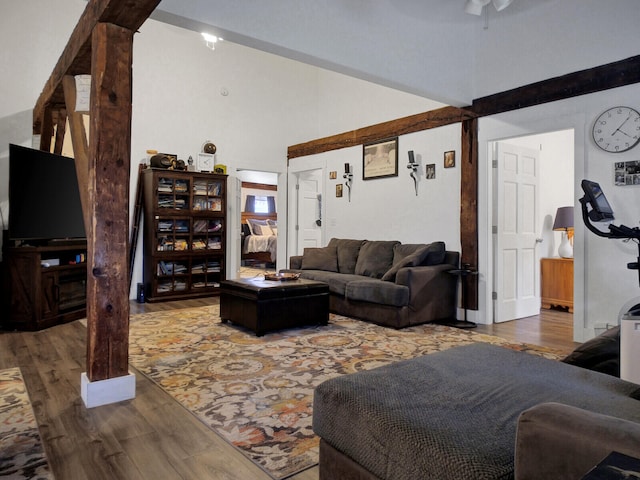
pixel 375 258
pixel 347 251
pixel 324 258
pixel 601 353
pixel 431 254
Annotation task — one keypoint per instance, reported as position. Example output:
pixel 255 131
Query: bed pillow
pixel 259 227
pixel 273 225
pixel 324 258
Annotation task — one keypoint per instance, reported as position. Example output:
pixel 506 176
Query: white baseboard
pixel 111 390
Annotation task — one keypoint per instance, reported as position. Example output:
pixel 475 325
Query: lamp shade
pixel 564 219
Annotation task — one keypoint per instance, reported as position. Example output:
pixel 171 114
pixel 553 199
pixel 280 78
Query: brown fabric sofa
pixel 385 282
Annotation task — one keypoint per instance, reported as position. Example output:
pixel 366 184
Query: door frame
pixel 502 127
pixel 293 172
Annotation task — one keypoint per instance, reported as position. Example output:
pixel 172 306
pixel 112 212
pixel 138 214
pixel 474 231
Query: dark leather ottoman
pixel 264 305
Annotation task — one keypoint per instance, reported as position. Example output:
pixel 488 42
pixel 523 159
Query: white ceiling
pixel 430 48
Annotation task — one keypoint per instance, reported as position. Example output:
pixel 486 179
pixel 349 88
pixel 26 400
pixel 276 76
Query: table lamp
pixel 564 223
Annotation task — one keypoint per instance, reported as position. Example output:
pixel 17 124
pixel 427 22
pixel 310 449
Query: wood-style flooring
pixel 153 437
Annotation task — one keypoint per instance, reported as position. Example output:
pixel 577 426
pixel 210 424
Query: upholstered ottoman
pixel 448 415
pixel 264 305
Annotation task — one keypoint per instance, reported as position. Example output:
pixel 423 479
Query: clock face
pixel 205 162
pixel 617 129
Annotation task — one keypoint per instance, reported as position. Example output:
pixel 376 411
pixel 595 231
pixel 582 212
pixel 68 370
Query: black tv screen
pixel 44 198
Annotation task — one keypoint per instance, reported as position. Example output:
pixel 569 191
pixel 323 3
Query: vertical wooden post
pixel 80 145
pixel 61 127
pixel 107 241
pixel 46 129
pixel 469 208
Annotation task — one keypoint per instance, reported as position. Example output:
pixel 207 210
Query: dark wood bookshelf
pixel 184 234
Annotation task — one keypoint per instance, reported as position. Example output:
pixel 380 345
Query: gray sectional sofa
pixel 478 411
pixel 385 282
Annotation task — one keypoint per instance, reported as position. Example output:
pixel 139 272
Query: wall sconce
pixel 564 223
pixel 348 176
pixel 413 166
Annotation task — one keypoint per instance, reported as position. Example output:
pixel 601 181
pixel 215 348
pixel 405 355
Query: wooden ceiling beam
pixel 592 80
pixel 76 57
pixel 401 126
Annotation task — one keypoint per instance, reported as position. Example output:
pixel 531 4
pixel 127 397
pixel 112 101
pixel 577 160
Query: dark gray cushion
pixel 347 251
pixel 324 258
pixel 601 353
pixel 375 258
pixel 432 254
pixel 337 281
pixel 377 291
pixel 453 414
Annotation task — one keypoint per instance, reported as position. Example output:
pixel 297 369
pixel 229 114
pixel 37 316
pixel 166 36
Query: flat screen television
pixel 601 210
pixel 44 198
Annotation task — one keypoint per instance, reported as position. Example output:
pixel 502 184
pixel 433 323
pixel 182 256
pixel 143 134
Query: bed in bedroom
pixel 259 237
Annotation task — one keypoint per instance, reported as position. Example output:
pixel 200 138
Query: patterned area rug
pixel 257 392
pixel 21 453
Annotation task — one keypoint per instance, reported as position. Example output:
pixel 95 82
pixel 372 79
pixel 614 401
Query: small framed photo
pixel 338 190
pixel 333 175
pixel 380 159
pixel 430 171
pixel 450 159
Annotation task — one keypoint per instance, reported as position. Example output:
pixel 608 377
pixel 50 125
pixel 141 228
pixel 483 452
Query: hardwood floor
pixel 153 437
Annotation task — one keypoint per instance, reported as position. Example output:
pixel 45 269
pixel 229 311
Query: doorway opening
pixel 533 176
pixel 258 207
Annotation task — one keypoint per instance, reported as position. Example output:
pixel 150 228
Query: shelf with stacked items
pixel 185 228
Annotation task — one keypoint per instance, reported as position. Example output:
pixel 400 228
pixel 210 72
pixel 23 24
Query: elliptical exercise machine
pixel 630 322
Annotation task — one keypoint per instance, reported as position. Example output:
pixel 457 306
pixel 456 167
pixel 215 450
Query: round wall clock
pixel 617 129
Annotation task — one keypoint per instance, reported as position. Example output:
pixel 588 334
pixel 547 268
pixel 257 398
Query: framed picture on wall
pixel 430 171
pixel 450 159
pixel 380 159
pixel 339 190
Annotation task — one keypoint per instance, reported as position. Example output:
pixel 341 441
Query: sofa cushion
pixel 337 281
pixel 431 254
pixel 347 251
pixel 377 291
pixel 324 258
pixel 601 353
pixel 375 258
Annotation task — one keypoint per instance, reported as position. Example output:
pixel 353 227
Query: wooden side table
pixel 556 281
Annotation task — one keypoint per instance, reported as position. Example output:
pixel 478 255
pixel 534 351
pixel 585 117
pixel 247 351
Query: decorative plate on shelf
pixel 281 276
pixel 209 147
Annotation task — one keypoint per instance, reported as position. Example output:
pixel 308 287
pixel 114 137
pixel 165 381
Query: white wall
pixel 602 284
pixel 271 103
pixel 388 208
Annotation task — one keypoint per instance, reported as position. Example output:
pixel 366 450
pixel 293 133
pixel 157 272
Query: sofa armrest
pixel 295 262
pixel 564 442
pixel 432 291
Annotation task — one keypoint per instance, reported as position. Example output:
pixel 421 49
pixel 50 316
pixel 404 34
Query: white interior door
pixel 309 220
pixel 516 206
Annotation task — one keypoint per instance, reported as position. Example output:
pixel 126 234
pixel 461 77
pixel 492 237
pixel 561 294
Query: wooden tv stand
pixel 47 285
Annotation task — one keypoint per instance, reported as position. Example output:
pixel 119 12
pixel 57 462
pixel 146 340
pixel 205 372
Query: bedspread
pixel 261 243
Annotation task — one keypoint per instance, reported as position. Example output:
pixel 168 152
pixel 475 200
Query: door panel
pixel 517 266
pixel 309 210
